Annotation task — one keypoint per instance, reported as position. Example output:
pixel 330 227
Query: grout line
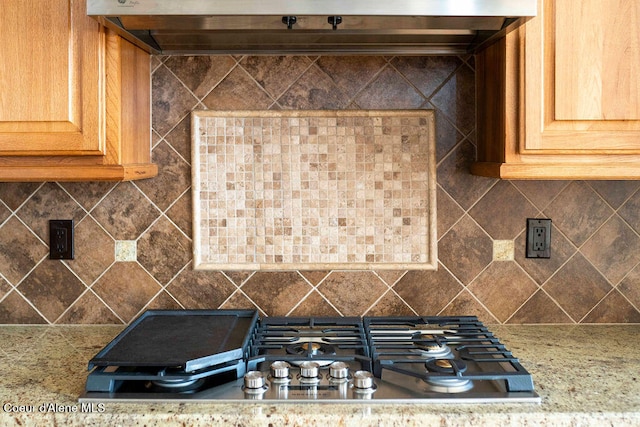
pixel 296 305
pixel 329 302
pixel 32 305
pixel 240 291
pixel 596 305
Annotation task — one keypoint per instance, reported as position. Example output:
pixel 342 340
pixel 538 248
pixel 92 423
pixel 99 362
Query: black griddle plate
pixel 185 339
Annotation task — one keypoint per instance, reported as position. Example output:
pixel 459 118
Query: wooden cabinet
pixel 559 97
pixel 74 97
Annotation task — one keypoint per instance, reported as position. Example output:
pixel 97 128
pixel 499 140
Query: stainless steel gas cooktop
pixel 232 355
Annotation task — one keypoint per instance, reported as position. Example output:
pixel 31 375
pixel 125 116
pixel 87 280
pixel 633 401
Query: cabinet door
pixel 582 79
pixel 49 79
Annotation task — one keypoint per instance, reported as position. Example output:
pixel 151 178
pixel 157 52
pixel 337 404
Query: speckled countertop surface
pixel 586 375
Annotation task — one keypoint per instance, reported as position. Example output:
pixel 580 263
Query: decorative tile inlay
pixel 313 190
pixel 126 250
pixel 503 250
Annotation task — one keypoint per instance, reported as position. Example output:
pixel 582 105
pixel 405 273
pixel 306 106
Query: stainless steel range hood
pixel 311 26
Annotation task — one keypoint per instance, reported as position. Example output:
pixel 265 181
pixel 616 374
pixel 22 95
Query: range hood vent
pixel 415 27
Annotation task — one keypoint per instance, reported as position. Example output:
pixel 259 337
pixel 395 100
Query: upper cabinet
pixel 74 97
pixel 559 98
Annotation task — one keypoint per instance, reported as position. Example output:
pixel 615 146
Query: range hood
pixel 311 26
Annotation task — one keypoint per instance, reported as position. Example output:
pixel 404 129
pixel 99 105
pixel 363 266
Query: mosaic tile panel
pixel 313 190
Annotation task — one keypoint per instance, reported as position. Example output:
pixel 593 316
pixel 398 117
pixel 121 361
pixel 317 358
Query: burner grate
pixel 323 340
pixel 398 344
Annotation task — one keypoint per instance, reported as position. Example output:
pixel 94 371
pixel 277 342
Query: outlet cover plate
pixel 61 239
pixel 538 238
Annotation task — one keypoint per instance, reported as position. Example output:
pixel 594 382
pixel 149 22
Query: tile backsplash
pixel 593 275
pixel 313 189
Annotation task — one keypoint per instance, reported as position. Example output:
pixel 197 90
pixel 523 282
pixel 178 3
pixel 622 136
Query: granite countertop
pixel 585 374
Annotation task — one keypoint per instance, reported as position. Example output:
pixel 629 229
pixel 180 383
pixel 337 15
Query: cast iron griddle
pixel 186 339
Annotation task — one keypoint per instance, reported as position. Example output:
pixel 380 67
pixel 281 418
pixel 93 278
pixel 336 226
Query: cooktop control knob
pixel 309 369
pixel 363 380
pixel 338 370
pixel 280 370
pixel 254 380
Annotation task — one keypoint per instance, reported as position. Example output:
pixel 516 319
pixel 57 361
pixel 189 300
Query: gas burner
pixel 432 346
pixel 446 384
pixel 311 348
pixel 446 366
pixel 173 380
pixel 177 385
pixel 449 385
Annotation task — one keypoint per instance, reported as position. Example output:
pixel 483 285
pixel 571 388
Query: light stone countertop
pixel 586 375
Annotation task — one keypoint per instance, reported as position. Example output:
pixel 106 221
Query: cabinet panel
pixel 598 58
pixel 18 50
pixel 567 93
pixel 50 75
pixel 75 98
pixel 574 92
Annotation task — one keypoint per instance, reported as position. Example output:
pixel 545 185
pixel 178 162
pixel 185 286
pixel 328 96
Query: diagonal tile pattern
pixel 115 286
pixel 540 308
pixel 428 292
pixel 390 305
pixel 351 74
pixel 314 305
pixel 238 91
pixel 88 309
pixel 94 250
pixel 49 202
pixel 173 179
pixel 352 293
pixel 276 293
pixel 51 289
pixel 593 275
pixel 502 278
pixel 196 289
pixel 426 73
pixel 466 249
pixel 160 240
pixel 456 99
pixel 125 213
pixel 577 286
pixel 571 217
pixel 503 211
pixel 13 194
pixel 389 92
pixel 200 73
pixel 614 249
pixel 275 73
pixel 314 90
pixel 171 100
pixel 454 177
pixel 20 250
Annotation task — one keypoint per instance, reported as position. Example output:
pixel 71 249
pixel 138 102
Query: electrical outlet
pixel 61 239
pixel 538 238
